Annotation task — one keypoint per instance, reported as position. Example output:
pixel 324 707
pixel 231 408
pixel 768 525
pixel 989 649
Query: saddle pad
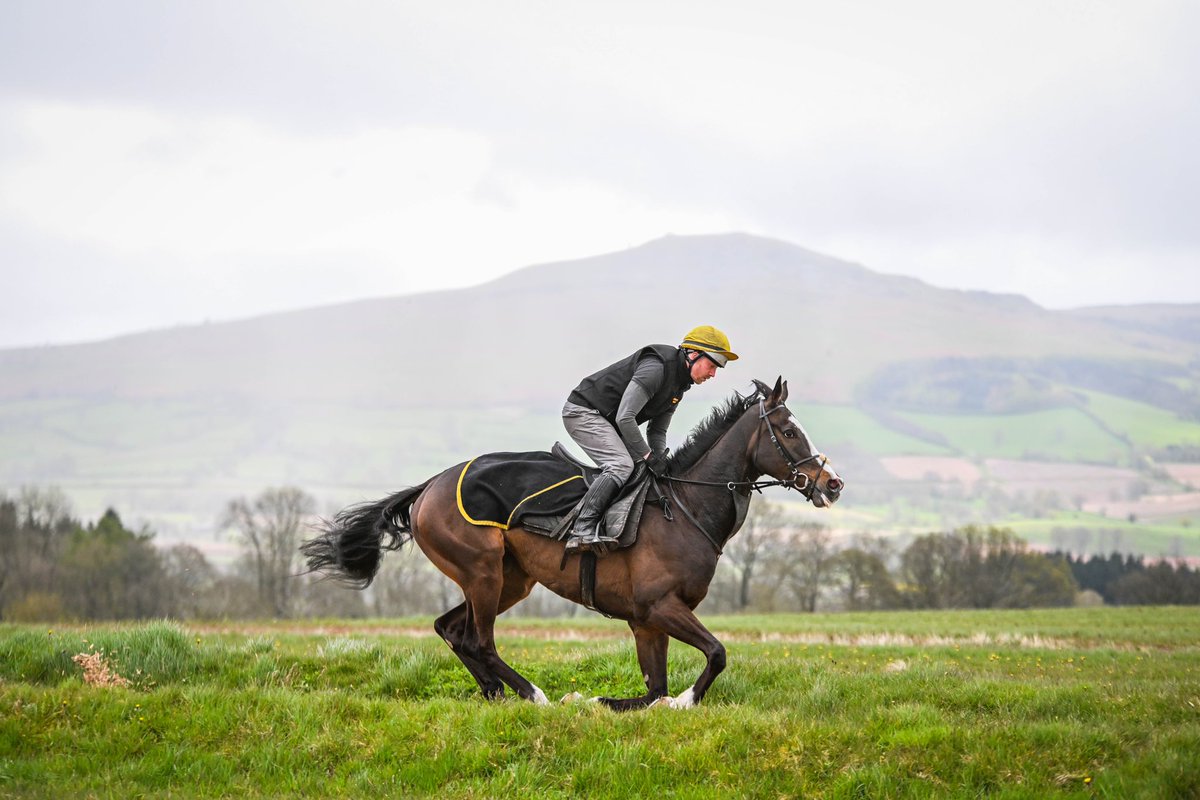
pixel 499 489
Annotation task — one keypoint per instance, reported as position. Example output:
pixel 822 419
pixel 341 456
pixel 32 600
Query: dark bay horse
pixel 654 585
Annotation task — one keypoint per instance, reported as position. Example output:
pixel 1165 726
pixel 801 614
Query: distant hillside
pixel 1175 321
pixel 352 399
pixel 526 338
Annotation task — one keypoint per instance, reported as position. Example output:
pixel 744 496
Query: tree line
pixel 56 567
pixel 1127 580
pixel 772 565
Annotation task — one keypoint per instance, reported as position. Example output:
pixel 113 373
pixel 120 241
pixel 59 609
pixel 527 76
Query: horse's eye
pixel 790 434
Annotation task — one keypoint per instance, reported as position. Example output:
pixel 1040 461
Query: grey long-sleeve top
pixel 647 378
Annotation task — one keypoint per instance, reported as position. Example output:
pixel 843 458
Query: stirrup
pixel 598 546
pixel 579 543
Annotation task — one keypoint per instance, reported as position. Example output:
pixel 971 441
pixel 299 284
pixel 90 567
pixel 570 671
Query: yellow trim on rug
pixel 462 510
pixel 501 525
pixel 535 494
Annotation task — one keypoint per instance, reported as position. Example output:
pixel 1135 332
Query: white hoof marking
pixel 539 697
pixel 685 700
pixel 572 697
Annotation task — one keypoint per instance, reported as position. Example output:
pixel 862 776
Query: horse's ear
pixel 783 395
pixel 779 392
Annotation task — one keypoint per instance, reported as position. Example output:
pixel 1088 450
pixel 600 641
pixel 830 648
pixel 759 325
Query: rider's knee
pixel 621 470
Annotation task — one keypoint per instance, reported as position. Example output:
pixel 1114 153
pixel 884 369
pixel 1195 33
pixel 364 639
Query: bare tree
pixel 865 580
pixel 806 563
pixel 193 580
pixel 976 568
pixel 34 531
pixel 269 529
pixel 760 534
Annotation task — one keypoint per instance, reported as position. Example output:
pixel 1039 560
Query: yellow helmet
pixel 710 341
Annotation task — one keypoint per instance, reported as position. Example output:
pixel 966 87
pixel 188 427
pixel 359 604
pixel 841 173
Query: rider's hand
pixel 657 464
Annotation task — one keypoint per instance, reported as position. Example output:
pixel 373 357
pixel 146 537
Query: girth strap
pixel 587 582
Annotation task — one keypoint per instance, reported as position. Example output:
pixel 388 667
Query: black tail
pixel 351 544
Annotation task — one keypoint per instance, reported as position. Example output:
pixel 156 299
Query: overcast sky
pixel 165 163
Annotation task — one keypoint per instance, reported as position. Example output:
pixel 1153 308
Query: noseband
pixel 809 486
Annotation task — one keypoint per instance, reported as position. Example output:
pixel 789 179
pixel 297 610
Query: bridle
pixel 809 486
pixel 807 489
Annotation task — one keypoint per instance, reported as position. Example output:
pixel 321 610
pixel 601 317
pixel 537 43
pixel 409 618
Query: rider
pixel 604 411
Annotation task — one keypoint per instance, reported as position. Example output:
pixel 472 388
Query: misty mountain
pixel 526 338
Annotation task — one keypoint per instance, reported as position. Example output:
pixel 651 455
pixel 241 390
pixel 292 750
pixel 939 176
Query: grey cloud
pixel 1100 159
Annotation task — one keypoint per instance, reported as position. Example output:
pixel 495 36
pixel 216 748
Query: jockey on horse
pixel 603 413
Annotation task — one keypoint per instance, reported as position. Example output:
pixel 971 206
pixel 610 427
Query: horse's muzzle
pixel 827 495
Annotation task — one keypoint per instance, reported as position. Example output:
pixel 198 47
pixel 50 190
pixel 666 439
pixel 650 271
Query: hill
pixel 353 399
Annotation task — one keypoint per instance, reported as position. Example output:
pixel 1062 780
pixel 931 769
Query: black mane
pixel 711 428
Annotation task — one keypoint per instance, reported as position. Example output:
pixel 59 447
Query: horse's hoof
pixel 685 700
pixel 572 697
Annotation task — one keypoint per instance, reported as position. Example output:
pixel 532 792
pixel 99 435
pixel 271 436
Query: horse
pixel 654 586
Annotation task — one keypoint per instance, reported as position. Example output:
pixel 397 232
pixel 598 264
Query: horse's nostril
pixel 835 485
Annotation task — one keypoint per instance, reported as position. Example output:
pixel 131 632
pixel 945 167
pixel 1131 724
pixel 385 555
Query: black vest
pixel 603 390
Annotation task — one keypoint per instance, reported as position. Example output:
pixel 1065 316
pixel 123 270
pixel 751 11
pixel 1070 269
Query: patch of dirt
pixel 1073 482
pixel 943 468
pixel 1151 506
pixel 1051 472
pixel 1187 474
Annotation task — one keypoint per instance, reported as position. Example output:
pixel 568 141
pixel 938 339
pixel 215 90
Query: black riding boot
pixel 585 534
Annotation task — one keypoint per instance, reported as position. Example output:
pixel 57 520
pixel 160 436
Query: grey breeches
pixel 599 439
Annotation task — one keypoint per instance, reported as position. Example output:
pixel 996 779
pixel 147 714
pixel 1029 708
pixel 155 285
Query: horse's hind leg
pixel 472 556
pixel 487 599
pixel 456 625
pixel 652 658
pixel 453 627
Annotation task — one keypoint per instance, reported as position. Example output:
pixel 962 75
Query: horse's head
pixel 783 449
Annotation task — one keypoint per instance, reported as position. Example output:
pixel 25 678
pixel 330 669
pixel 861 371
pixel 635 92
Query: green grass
pixel 1143 424
pixel 1061 434
pixel 1159 539
pixel 1104 702
pixel 836 427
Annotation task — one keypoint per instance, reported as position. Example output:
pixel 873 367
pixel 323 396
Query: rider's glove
pixel 657 464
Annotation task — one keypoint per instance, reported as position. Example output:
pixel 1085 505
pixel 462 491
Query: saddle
pixel 541 493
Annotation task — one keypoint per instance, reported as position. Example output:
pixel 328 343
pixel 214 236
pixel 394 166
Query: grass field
pixel 1053 703
pixel 1064 434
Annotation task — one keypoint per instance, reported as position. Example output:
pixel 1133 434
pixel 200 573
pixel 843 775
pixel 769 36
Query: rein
pixel 746 487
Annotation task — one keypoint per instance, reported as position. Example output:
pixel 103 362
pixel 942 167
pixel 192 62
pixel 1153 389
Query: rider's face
pixel 703 368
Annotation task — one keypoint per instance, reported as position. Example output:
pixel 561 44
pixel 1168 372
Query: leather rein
pixel 746 487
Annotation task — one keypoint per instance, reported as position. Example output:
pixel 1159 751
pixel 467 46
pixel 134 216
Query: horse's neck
pixel 727 461
pixel 729 458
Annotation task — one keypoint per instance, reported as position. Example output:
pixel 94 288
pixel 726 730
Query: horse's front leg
pixel 672 616
pixel 652 658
